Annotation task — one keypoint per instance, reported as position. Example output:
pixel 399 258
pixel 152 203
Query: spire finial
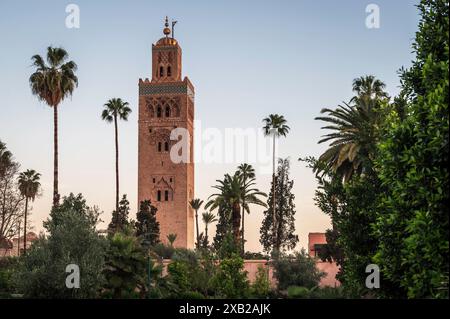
pixel 166 30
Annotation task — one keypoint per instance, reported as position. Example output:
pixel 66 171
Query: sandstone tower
pixel 166 102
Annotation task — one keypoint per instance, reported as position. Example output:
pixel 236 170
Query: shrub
pixel 163 251
pixel 230 280
pixel 72 240
pixel 7 268
pixel 296 270
pixel 125 267
pixel 327 293
pixel 296 292
pixel 261 286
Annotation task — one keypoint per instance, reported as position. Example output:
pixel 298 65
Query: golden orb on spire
pixel 166 30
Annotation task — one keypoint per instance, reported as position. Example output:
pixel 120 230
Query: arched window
pixel 166 146
pixel 167 111
pixel 159 111
pixel 161 71
pixel 159 196
pixel 166 195
pixel 159 146
pixel 169 71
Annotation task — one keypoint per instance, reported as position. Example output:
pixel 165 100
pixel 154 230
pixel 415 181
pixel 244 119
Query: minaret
pixel 166 102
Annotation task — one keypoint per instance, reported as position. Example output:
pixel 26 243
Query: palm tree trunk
pixel 243 225
pixel 243 216
pixel 236 223
pixel 18 241
pixel 206 234
pixel 25 227
pixel 117 163
pixel 196 227
pixel 274 217
pixel 55 156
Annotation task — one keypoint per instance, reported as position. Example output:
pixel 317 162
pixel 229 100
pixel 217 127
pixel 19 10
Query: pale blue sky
pixel 247 59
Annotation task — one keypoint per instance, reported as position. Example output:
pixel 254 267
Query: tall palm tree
pixel 275 126
pixel 116 109
pixel 354 130
pixel 229 195
pixel 208 218
pixel 52 83
pixel 249 194
pixel 247 172
pixel 28 186
pixel 196 204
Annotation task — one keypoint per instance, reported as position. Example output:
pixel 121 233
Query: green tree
pixel 249 194
pixel 351 207
pixel 275 126
pixel 52 83
pixel 5 158
pixel 119 220
pixel 278 233
pixel 196 204
pixel 231 281
pixel 297 269
pixel 247 173
pixel 412 219
pixel 28 186
pixel 229 195
pixel 208 218
pixel 116 109
pixel 11 201
pixel 354 129
pixel 72 239
pixel 223 226
pixel 147 226
pixel 125 266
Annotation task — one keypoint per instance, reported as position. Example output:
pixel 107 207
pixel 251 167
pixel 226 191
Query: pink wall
pixel 331 269
pixel 251 266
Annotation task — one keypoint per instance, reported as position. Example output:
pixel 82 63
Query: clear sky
pixel 247 59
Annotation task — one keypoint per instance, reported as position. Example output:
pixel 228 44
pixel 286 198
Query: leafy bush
pixel 7 268
pixel 230 280
pixel 72 240
pixel 327 293
pixel 261 286
pixel 296 270
pixel 125 267
pixel 163 251
pixel 296 292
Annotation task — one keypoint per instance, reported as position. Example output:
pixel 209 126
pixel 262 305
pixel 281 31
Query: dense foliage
pixel 72 239
pixel 413 216
pixel 297 269
pixel 147 227
pixel 278 232
pixel 384 180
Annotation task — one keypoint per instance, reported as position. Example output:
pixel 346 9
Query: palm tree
pixel 368 87
pixel 171 238
pixel 208 218
pixel 229 195
pixel 275 126
pixel 196 203
pixel 249 194
pixel 28 186
pixel 116 109
pixel 52 83
pixel 354 129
